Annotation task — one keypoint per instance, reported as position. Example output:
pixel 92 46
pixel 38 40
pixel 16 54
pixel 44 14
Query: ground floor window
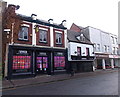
pixel 59 61
pixel 21 61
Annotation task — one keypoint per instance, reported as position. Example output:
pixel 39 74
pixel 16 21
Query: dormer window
pixel 81 37
pixel 23 33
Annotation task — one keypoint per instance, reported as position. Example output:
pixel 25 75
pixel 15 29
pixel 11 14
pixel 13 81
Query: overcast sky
pixel 101 14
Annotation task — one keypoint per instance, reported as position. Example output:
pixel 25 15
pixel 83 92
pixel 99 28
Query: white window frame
pixel 23 25
pixel 98 47
pixel 42 29
pixel 57 32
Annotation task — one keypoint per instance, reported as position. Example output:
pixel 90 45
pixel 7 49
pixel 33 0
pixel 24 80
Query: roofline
pixel 81 42
pixel 29 19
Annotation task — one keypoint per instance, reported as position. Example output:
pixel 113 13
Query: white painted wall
pixel 95 37
pixel 72 48
pixel 100 37
pixel 115 44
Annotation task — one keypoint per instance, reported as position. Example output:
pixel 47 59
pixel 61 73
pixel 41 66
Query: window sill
pixel 43 42
pixel 23 40
pixel 58 44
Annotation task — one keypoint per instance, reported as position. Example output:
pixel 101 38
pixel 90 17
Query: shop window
pixel 58 38
pixel 59 61
pixel 21 61
pixel 23 33
pixel 43 36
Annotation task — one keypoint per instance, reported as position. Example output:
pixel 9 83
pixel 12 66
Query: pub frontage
pixel 34 61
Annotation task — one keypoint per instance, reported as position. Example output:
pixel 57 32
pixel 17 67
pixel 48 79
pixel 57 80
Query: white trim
pixel 58 31
pixel 26 25
pixel 42 25
pixel 26 22
pixel 40 28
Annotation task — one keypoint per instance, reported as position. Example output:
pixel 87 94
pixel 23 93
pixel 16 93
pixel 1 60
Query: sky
pixel 100 14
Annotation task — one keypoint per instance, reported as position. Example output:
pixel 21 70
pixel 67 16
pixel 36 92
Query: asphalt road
pixel 100 84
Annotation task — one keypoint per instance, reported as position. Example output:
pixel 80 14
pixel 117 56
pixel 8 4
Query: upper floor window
pixel 112 39
pixel 43 36
pixel 105 48
pixel 98 47
pixel 108 48
pixel 114 51
pixel 23 33
pixel 81 37
pixel 58 38
pixel 94 47
pixel 116 40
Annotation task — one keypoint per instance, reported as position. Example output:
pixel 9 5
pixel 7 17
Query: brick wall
pixel 75 28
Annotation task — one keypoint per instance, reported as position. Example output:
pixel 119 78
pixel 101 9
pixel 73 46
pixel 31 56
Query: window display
pixel 59 62
pixel 21 62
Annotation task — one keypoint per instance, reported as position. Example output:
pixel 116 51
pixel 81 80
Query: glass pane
pixel 25 29
pixel 39 62
pixel 21 62
pixel 59 61
pixel 43 36
pixel 58 38
pixel 20 34
pixel 45 62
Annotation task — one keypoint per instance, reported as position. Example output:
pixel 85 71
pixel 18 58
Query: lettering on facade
pixel 42 54
pixel 59 54
pixel 22 52
pixel 103 56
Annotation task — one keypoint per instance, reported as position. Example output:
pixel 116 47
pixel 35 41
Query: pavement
pixel 6 84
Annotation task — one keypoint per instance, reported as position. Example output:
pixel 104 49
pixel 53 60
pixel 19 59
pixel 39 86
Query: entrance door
pixel 42 64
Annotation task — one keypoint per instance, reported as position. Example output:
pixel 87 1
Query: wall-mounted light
pixel 83 53
pixel 75 52
pixel 7 31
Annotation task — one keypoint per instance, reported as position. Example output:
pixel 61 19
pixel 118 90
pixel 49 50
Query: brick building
pixel 34 46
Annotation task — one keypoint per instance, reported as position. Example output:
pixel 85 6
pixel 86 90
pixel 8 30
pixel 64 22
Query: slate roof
pixel 71 35
pixel 29 19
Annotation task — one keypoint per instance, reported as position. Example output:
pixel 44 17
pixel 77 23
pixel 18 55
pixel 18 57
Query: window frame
pixel 60 33
pixel 23 33
pixel 42 37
